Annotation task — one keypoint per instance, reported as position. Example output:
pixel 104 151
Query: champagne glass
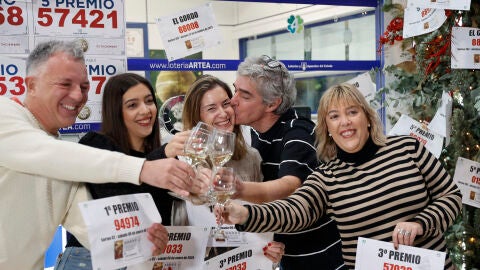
pixel 221 150
pixel 221 147
pixel 198 144
pixel 223 184
pixel 195 153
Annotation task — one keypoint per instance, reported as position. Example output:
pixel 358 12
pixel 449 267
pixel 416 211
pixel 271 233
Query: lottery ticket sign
pixel 467 177
pixel 242 258
pixel 13 18
pixel 407 126
pixel 441 4
pixel 189 31
pixel 465 48
pixel 117 229
pixel 185 249
pixel 98 18
pixel 373 254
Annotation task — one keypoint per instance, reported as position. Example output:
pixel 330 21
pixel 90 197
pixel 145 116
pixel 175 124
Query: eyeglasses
pixel 272 63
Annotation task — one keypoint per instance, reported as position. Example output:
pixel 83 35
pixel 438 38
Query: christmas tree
pixel 422 81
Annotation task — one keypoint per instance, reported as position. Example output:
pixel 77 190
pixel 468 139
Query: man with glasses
pixel 264 95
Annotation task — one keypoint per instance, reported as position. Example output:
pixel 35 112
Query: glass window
pixel 323 41
pixel 260 46
pixel 311 89
pixel 349 38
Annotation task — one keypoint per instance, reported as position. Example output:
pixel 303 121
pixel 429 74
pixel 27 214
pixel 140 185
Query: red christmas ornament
pixel 393 32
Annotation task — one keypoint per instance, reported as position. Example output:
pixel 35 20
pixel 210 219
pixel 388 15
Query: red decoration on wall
pixel 393 32
pixel 436 48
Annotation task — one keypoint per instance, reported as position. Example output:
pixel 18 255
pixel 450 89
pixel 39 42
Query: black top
pixel 162 199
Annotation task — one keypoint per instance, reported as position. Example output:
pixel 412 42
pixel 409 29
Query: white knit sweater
pixel 40 183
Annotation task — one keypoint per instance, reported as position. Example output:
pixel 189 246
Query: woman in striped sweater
pixel 383 188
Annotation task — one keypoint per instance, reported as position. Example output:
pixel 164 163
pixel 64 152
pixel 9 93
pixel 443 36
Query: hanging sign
pixel 441 121
pixel 441 4
pixel 465 48
pixel 407 126
pixel 117 229
pixel 188 32
pixel 418 21
pixel 375 254
pixel 467 177
pixel 363 82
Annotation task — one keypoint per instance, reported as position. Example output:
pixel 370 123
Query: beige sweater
pixel 39 180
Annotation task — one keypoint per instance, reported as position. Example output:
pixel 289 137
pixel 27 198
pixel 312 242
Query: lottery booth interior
pixel 129 40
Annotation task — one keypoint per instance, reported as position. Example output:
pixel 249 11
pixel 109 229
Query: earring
pixel 368 125
pixel 329 134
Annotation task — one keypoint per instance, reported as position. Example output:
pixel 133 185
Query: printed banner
pixel 189 31
pixel 374 254
pixel 407 126
pixel 465 48
pixel 441 121
pixel 117 229
pixel 441 4
pixel 245 258
pixel 79 18
pixel 185 250
pixel 467 177
pixel 419 21
pixel 14 16
pixel 226 64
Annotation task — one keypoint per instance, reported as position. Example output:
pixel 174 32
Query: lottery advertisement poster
pixel 374 254
pixel 117 229
pixel 465 48
pixel 467 178
pixel 189 31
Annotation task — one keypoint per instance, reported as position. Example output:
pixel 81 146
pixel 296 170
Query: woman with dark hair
pixel 129 125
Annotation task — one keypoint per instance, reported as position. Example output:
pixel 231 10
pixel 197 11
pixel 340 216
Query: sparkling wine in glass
pixel 195 153
pixel 198 144
pixel 224 181
pixel 221 147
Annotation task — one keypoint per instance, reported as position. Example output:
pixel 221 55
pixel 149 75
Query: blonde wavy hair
pixel 344 93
